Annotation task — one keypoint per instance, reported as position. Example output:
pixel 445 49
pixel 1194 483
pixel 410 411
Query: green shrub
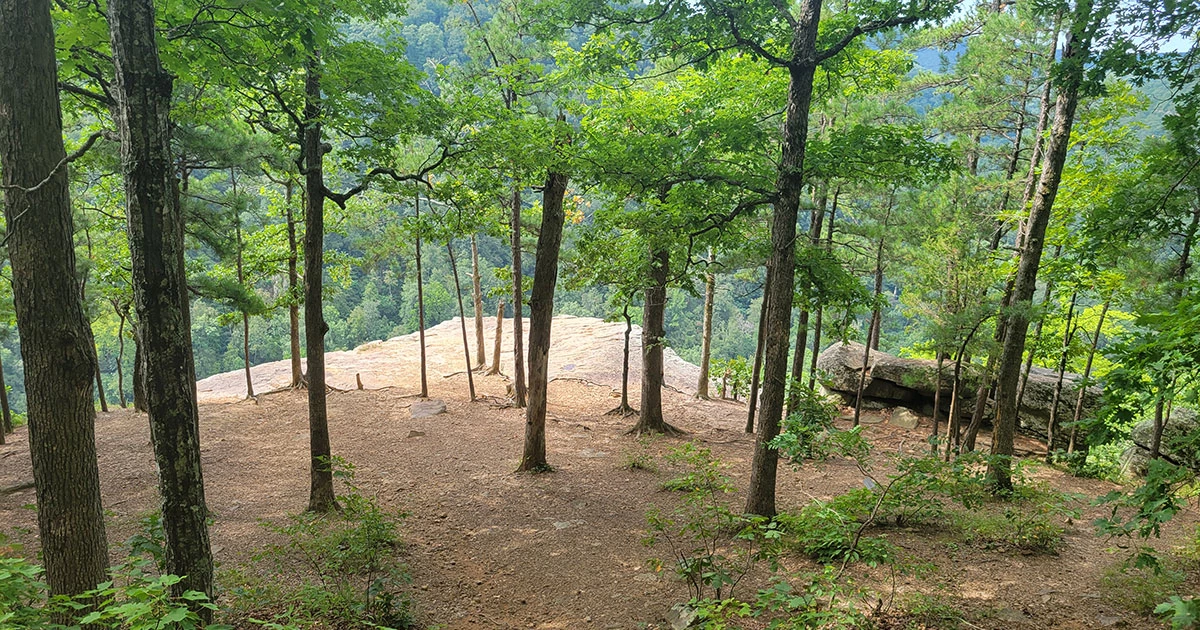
pixel 344 564
pixel 132 600
pixel 711 547
pixel 1141 590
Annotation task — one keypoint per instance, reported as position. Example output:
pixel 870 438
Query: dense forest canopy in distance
pixel 999 199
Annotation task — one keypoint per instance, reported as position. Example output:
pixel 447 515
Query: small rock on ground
pixel 427 408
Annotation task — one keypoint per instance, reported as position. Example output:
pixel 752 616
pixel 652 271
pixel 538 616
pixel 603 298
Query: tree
pixel 541 314
pixel 59 362
pixel 143 106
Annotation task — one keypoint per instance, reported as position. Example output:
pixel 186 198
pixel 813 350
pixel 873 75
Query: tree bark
pixel 462 320
pixel 320 497
pixel 756 370
pixel 6 423
pixel 143 96
pixel 710 289
pixel 241 278
pixel 814 238
pixel 1075 56
pixel 139 370
pixel 477 295
pixel 1052 423
pixel 99 377
pixel 816 345
pixel 782 262
pixel 650 417
pixel 1087 373
pixel 624 409
pixel 518 303
pixel 59 363
pixel 541 316
pixel 293 291
pixel 495 369
pixel 937 404
pixel 421 300
pixel 121 317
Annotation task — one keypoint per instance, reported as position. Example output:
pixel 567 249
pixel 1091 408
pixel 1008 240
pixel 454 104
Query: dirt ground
pixel 492 549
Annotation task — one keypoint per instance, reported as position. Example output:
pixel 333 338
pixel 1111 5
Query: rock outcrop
pixel 1176 446
pixel 900 382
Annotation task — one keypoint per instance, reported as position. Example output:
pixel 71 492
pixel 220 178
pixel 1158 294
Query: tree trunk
pixel 6 423
pixel 872 331
pixel 1077 417
pixel 495 369
pixel 139 370
pixel 814 238
pixel 782 261
pixel 624 409
pixel 241 278
pixel 710 289
pixel 320 497
pixel 421 300
pixel 650 417
pixel 477 295
pixel 156 245
pixel 1052 424
pixel 518 303
pixel 541 316
pixel 1075 56
pixel 59 363
pixel 937 405
pixel 816 345
pixel 756 371
pixel 122 316
pixel 462 320
pixel 99 377
pixel 1159 425
pixel 293 291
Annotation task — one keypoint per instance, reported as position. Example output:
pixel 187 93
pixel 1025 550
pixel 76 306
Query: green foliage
pixel 734 376
pixel 1141 590
pixel 1183 614
pixel 818 599
pixel 711 546
pixel 1139 515
pixel 132 600
pixel 642 457
pixel 808 420
pixel 343 565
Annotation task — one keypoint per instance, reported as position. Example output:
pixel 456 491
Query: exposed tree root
pixel 623 410
pixel 662 429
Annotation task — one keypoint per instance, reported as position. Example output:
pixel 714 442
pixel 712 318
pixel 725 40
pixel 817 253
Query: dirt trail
pixel 492 549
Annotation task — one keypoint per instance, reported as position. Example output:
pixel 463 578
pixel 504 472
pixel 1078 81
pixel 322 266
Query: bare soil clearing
pixel 492 549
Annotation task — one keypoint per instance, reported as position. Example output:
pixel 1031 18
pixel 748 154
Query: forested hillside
pixel 984 214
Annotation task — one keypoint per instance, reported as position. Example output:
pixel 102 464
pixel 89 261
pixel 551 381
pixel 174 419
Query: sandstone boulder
pixel 1176 445
pixel 902 382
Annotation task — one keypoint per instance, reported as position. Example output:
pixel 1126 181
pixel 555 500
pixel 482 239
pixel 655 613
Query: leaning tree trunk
pixel 781 264
pixel 462 319
pixel 1077 417
pixel 650 417
pixel 156 245
pixel 50 320
pixel 421 300
pixel 518 304
pixel 477 298
pixel 293 291
pixel 1074 58
pixel 756 370
pixel 320 496
pixel 541 314
pixel 495 369
pixel 1052 423
pixel 710 289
